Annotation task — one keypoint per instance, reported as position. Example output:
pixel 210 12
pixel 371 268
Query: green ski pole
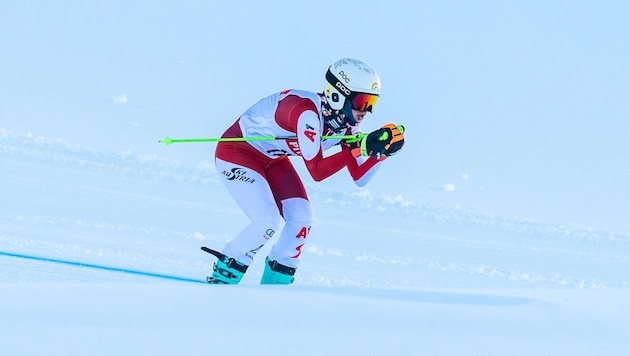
pixel 167 140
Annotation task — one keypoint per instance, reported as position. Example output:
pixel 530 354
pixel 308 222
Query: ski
pixel 217 254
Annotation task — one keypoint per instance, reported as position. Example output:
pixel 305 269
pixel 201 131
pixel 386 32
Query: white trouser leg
pixel 252 193
pixel 298 215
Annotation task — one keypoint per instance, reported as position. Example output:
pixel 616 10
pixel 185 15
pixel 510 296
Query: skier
pixel 263 182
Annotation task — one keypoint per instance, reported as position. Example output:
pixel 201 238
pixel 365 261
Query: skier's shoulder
pixel 293 103
pixel 299 96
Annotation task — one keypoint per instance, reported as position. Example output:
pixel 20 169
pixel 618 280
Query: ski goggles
pixel 362 101
pixel 358 101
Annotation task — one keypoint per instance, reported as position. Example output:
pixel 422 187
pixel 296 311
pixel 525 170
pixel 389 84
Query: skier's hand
pixel 380 143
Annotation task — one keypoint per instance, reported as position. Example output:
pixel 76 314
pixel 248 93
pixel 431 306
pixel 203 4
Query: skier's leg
pixel 297 213
pixel 282 262
pixel 299 218
pixel 253 195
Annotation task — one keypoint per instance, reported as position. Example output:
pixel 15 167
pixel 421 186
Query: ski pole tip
pixel 167 141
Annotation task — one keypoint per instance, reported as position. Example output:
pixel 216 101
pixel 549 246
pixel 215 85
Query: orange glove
pixel 380 143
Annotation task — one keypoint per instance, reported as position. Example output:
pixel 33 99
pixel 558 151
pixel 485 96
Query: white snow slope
pixel 99 253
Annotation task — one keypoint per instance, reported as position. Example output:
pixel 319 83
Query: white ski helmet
pixel 354 82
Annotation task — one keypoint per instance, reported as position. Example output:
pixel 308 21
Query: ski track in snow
pixel 488 240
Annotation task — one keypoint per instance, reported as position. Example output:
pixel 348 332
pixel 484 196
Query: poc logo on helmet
pixel 342 88
pixel 344 76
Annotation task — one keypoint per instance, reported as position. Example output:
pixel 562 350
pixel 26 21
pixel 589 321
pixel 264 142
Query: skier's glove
pixel 379 144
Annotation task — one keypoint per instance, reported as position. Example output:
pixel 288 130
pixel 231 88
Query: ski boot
pixel 226 270
pixel 276 273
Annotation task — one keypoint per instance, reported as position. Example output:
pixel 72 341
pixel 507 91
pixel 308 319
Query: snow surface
pixel 500 229
pixel 100 255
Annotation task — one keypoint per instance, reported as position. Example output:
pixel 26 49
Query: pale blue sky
pixel 530 99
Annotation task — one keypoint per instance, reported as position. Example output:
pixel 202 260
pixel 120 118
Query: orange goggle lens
pixel 363 101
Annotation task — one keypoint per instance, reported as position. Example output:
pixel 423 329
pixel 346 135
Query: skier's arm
pixel 371 149
pixel 362 169
pixel 309 140
pixel 321 168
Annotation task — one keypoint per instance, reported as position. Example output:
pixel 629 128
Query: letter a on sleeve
pixel 308 134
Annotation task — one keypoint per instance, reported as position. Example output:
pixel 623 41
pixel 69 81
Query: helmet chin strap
pixel 337 120
pixel 346 113
pixel 334 120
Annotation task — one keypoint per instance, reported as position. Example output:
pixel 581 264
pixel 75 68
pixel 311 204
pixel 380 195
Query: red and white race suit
pixel 263 181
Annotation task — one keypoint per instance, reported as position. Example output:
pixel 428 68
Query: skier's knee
pixel 268 224
pixel 297 211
